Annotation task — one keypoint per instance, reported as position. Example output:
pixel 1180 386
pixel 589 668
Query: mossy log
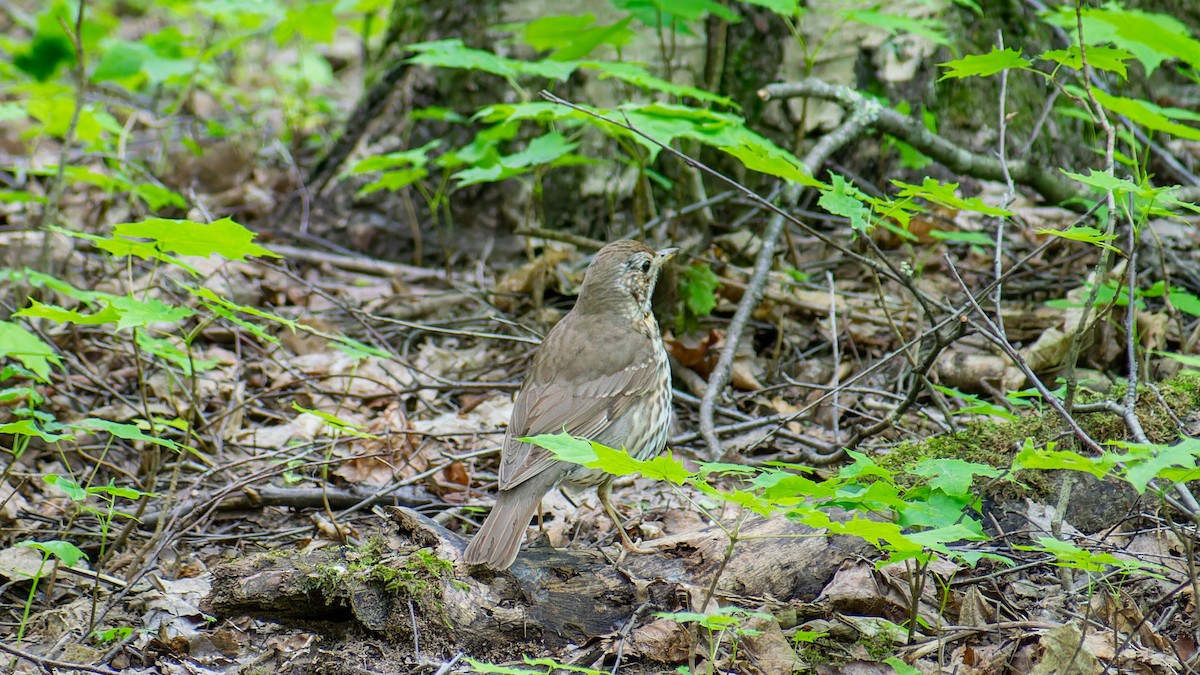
pixel 410 586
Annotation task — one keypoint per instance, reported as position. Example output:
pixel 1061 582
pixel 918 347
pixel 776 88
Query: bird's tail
pixel 499 538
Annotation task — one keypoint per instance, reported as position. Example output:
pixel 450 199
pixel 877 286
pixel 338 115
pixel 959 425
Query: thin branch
pixel 559 235
pixel 837 356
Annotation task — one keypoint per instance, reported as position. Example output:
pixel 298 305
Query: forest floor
pixel 260 449
pixel 298 440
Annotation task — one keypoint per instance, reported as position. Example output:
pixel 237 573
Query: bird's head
pixel 621 278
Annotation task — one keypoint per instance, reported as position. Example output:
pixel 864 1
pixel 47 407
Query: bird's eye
pixel 646 266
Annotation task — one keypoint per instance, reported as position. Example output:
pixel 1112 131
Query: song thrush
pixel 601 374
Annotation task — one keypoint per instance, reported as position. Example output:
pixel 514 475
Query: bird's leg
pixel 605 492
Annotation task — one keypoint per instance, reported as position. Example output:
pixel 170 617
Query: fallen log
pixel 410 586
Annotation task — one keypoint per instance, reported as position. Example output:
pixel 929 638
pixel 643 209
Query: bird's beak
pixel 666 254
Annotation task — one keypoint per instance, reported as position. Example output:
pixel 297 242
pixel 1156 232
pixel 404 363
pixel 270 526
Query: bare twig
pixel 1100 117
pixel 1009 196
pixel 837 356
pixel 357 263
pixel 559 235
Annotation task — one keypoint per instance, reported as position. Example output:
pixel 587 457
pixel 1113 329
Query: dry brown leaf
pixel 456 473
pixel 698 352
pixel 231 424
pixel 1152 329
pixel 1048 351
pixel 371 469
pixel 663 640
pixel 301 342
pixel 744 374
pixel 530 280
pixel 979 659
pixel 338 532
pixel 976 610
pixel 943 567
pixel 678 521
pixel 13 503
pixel 1064 650
pixel 978 373
pixel 782 406
pixel 304 426
pixel 770 650
pixel 488 415
pixel 362 378
pixel 1122 614
pixel 389 455
pixel 1041 518
pixel 21 563
pixel 1185 646
pixel 220 166
pixel 854 589
pixel 820 301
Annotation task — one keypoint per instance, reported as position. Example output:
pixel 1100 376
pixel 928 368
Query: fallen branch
pixel 1046 183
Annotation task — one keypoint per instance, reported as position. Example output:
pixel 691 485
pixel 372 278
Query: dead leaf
pixel 1185 646
pixel 663 640
pixel 338 532
pixel 854 590
pixel 530 280
pixel 770 650
pixel 21 563
pixel 744 374
pixel 976 610
pixel 698 352
pixel 12 503
pixel 1063 650
pixel 1048 351
pixel 218 167
pixel 978 372
pixel 678 521
pixel 1121 613
pixel 1152 329
pixel 301 342
pixel 456 473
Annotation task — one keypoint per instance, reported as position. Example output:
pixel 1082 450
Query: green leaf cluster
pixel 933 517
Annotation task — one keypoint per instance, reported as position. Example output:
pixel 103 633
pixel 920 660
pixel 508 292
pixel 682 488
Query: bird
pixel 601 374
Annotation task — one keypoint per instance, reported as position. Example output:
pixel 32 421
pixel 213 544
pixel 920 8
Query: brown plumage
pixel 601 374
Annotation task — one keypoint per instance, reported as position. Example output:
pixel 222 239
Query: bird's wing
pixel 589 402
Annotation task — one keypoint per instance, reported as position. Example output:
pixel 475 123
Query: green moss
pixel 414 575
pixel 374 563
pixel 995 443
pixel 878 646
pixel 985 442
